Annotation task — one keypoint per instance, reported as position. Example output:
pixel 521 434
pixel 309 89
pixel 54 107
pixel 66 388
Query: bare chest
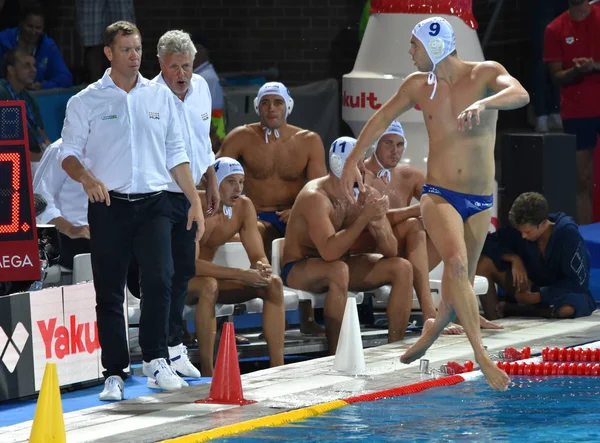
pixel 441 112
pixel 398 190
pixel 283 159
pixel 218 230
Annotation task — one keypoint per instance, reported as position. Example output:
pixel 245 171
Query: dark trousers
pixel 70 247
pixel 545 94
pixel 143 229
pixel 184 262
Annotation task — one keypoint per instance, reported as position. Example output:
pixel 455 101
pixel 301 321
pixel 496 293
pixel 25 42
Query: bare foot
pixel 496 377
pixel 426 339
pixel 486 324
pixel 241 340
pixel 453 329
pixel 313 328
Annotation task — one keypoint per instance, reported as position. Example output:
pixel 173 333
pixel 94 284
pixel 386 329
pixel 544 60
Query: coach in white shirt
pixel 176 53
pixel 67 205
pixel 122 141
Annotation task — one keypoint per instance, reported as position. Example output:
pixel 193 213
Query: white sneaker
pixel 162 376
pixel 113 389
pixel 181 363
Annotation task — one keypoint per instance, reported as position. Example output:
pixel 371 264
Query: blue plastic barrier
pixel 53 103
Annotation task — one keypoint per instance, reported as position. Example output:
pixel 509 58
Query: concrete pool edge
pixel 169 415
pixel 312 411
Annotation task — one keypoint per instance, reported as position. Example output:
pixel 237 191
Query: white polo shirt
pixel 64 196
pixel 195 117
pixel 129 141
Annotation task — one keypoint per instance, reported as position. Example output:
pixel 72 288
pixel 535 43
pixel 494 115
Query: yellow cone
pixel 48 422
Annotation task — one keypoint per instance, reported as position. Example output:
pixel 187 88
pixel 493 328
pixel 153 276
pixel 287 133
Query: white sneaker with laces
pixel 162 376
pixel 180 362
pixel 113 389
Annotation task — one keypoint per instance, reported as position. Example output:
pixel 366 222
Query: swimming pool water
pixel 542 409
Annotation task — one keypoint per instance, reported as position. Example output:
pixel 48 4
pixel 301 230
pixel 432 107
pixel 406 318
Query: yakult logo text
pixel 15 261
pixel 361 100
pixel 76 339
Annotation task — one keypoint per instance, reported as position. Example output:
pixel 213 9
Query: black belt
pixel 133 197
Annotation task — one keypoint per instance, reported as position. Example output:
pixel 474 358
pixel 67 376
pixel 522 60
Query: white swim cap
pixel 437 36
pixel 394 128
pixel 224 167
pixel 275 88
pixel 339 152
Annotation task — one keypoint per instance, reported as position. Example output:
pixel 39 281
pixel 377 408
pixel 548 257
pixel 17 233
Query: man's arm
pixel 250 236
pixel 183 177
pixel 554 58
pixel 400 102
pixel 177 160
pixel 509 93
pixel 565 77
pixel 386 241
pixel 398 215
pixel 204 268
pixel 231 147
pixel 331 245
pixel 316 159
pixel 74 134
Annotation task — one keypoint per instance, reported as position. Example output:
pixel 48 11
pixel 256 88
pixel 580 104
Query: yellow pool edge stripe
pixel 271 420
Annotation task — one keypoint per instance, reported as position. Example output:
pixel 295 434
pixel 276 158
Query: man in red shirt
pixel 572 51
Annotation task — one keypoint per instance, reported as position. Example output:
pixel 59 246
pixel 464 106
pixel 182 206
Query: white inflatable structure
pixel 383 62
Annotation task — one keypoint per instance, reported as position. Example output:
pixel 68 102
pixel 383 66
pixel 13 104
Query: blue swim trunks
pixel 465 204
pixel 273 219
pixel 285 271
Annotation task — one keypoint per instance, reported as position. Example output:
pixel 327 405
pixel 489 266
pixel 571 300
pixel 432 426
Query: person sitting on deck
pixel 219 284
pixel 540 262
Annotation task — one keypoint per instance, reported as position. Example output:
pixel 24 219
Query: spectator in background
pixel 204 68
pixel 572 51
pixel 540 262
pixel 29 36
pixel 18 71
pixel 545 94
pixel 92 17
pixel 66 208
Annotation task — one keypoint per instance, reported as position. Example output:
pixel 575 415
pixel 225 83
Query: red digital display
pixel 19 256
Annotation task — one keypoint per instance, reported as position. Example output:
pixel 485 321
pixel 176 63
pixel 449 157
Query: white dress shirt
pixel 129 141
pixel 195 117
pixel 64 196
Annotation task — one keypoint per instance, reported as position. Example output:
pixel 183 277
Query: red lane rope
pixel 408 389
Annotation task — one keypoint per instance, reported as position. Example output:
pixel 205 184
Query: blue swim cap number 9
pixel 434 29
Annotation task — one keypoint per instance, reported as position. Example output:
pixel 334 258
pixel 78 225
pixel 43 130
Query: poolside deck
pixel 168 415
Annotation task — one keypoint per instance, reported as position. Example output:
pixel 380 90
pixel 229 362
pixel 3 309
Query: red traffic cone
pixel 226 384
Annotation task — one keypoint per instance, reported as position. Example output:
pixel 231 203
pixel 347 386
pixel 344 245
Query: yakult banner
pixel 52 325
